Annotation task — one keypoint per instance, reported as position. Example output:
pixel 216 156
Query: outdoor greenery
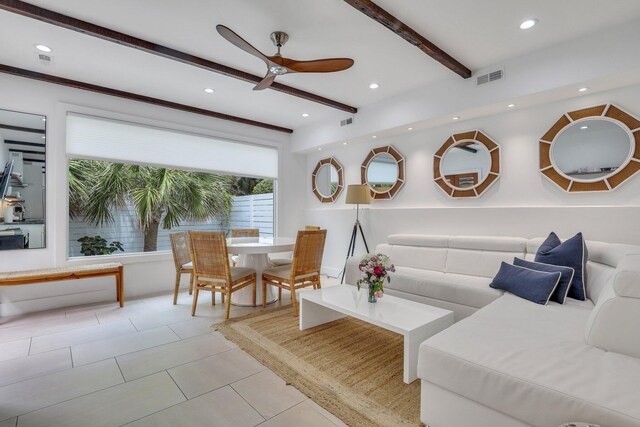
pixel 160 196
pixel 263 187
pixel 97 245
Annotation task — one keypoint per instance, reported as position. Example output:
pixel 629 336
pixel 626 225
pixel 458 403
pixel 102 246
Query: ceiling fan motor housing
pixel 279 38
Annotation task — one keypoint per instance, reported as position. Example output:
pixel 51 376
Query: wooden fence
pixel 254 211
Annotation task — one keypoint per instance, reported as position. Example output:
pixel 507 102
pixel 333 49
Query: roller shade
pixel 103 139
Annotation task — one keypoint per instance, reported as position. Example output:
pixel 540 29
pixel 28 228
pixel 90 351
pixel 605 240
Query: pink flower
pixel 377 270
pixel 379 294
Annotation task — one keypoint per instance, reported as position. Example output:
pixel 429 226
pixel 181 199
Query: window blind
pixel 104 139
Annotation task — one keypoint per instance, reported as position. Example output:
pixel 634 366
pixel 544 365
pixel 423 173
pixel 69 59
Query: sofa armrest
pixel 613 324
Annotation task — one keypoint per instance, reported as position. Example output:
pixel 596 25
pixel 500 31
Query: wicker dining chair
pixel 277 262
pixel 211 269
pixel 181 260
pixel 304 270
pixel 242 232
pixel 245 232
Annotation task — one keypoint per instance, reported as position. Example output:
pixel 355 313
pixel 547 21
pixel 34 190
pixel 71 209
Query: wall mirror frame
pixel 390 155
pixel 316 185
pixel 465 141
pixel 617 175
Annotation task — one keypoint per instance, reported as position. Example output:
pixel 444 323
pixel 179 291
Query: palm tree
pixel 160 196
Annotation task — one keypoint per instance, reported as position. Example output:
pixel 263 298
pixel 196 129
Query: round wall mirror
pixel 327 180
pixel 467 164
pixel 591 149
pixel 594 149
pixel 383 172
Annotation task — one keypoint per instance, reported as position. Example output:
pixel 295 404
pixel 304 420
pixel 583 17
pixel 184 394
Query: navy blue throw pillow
pixel 536 286
pixel 566 276
pixel 570 253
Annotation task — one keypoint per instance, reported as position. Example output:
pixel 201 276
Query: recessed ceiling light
pixel 409 128
pixel 525 25
pixel 374 86
pixel 456 118
pixel 209 90
pixel 374 136
pixel 344 143
pixel 305 114
pixel 43 48
pixel 583 89
pixel 319 148
pixel 511 105
pixel 584 127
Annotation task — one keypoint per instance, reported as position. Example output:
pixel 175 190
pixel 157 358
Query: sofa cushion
pixel 570 253
pixel 484 243
pixel 512 351
pixel 471 291
pixel 421 240
pixel 566 276
pixel 477 262
pixel 416 257
pixel 532 285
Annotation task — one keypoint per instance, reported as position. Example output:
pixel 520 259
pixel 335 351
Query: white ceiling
pixel 477 33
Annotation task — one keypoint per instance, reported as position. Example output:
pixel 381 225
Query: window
pixel 124 206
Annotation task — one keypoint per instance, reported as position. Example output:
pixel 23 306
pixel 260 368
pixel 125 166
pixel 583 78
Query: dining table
pixel 253 252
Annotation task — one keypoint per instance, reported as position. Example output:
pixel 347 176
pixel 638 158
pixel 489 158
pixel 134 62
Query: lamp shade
pixel 358 194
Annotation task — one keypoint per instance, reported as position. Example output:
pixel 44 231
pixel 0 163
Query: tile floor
pixel 147 364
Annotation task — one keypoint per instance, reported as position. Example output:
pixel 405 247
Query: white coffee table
pixel 415 321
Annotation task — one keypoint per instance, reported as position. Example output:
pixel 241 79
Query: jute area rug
pixel 351 368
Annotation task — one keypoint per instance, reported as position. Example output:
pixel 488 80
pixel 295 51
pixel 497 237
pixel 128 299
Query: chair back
pixel 245 232
pixel 180 249
pixel 311 227
pixel 307 254
pixel 209 254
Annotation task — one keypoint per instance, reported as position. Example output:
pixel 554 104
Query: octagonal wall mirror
pixel 467 164
pixel 327 180
pixel 593 149
pixel 383 172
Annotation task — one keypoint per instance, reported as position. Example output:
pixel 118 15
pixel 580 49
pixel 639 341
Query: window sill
pixel 136 258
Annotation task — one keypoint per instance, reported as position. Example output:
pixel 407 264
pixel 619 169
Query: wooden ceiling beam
pixel 70 23
pixel 134 97
pixel 21 129
pixel 383 17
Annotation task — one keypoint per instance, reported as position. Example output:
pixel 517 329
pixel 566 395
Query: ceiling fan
pixel 278 65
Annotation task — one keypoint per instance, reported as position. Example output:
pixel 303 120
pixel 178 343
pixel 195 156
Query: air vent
pixel 346 122
pixel 44 59
pixel 490 77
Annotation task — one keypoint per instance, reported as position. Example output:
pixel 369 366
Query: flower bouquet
pixel 375 269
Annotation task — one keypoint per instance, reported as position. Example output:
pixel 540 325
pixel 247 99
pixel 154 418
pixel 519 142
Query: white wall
pixel 143 273
pixel 522 202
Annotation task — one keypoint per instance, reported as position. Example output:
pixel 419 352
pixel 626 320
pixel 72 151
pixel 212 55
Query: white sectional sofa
pixel 508 361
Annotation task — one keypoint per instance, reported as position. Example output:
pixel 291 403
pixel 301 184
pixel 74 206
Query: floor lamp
pixel 356 195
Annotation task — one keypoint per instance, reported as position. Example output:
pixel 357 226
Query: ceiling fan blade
pixel 328 65
pixel 238 41
pixel 266 82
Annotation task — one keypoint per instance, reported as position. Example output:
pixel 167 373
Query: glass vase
pixel 372 293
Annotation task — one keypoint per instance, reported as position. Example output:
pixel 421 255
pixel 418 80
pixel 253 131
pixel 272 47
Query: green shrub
pixel 263 187
pixel 96 245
